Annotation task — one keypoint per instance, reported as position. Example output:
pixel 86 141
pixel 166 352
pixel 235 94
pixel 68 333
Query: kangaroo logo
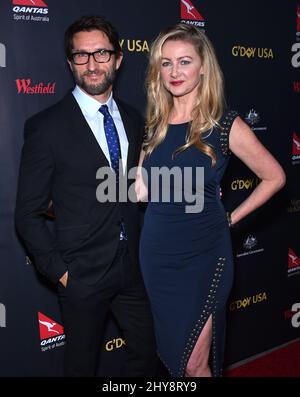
pixel 49 326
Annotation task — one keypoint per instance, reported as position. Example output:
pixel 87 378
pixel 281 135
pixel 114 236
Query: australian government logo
pixel 190 15
pixel 253 119
pixel 30 10
pixel 250 246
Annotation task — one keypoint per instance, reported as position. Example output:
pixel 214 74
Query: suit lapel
pixel 82 130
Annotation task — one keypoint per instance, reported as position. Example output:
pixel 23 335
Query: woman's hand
pixel 141 190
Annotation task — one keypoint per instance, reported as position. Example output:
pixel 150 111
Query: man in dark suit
pixel 93 255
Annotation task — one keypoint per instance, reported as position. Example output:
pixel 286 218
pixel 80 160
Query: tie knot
pixel 104 110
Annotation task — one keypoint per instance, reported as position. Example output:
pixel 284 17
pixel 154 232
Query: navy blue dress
pixel 186 258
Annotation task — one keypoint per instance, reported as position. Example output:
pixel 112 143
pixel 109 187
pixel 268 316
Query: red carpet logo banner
pixel 24 86
pixel 35 3
pixel 190 15
pixel 30 10
pixel 296 149
pixel 51 333
pixel 293 263
pixel 248 301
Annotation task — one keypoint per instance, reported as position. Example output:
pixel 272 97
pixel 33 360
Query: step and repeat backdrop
pixel 258 45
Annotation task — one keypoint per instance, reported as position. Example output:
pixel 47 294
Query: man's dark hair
pixel 87 24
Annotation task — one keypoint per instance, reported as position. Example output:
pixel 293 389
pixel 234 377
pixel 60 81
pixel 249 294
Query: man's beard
pixel 95 89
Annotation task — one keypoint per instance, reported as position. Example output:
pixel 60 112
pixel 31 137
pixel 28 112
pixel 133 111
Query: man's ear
pixel 70 65
pixel 119 60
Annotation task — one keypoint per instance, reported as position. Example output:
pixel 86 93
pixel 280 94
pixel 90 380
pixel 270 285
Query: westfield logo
pixel 24 86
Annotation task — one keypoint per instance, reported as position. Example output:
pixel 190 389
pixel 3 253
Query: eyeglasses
pixel 100 56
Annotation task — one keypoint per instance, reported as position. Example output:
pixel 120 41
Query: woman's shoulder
pixel 224 128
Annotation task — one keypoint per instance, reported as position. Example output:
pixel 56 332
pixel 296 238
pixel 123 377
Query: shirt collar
pixel 89 105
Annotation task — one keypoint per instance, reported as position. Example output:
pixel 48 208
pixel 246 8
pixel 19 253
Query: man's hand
pixel 64 279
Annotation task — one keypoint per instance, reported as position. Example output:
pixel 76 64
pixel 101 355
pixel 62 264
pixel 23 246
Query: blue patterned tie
pixel 112 139
pixel 113 143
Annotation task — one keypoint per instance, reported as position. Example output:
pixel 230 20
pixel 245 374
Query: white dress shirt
pixel 90 109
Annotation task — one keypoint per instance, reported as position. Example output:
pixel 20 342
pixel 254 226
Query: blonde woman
pixel 185 252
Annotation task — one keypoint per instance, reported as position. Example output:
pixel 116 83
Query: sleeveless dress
pixel 186 257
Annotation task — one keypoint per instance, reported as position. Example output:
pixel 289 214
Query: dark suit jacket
pixel 60 158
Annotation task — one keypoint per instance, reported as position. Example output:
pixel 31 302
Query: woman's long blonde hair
pixel 209 105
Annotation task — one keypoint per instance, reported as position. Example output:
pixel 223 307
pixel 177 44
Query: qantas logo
pixel 51 333
pixel 188 11
pixel 296 144
pixel 296 86
pixel 296 149
pixel 293 263
pixel 190 15
pixel 30 10
pixel 35 3
pixel 48 327
pixel 298 18
pixel 293 259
